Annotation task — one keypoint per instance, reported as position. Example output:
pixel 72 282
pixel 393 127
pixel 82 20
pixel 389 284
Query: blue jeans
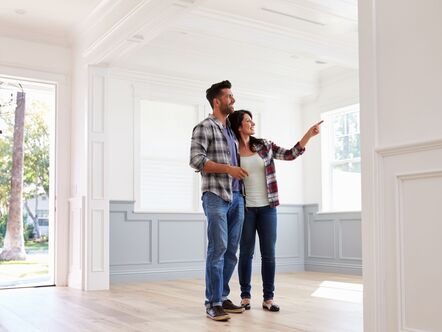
pixel 224 225
pixel 261 220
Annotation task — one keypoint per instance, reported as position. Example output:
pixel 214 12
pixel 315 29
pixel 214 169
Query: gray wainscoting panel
pixel 154 246
pixel 181 241
pixel 332 241
pixel 290 240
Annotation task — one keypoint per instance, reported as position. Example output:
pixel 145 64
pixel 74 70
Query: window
pixel 165 180
pixel 341 155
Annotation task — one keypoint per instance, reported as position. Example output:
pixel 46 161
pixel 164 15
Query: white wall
pixel 281 123
pixel 401 79
pixel 35 56
pixel 277 119
pixel 120 117
pixel 337 89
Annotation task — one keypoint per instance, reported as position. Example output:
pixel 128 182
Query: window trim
pixel 327 160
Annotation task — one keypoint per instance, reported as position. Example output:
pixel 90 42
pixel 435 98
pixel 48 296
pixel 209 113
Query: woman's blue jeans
pixel 261 220
pixel 224 224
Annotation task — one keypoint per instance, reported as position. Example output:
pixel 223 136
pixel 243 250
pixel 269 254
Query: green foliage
pixel 28 231
pixel 36 163
pixel 3 221
pixel 346 136
pixel 36 244
pixel 36 152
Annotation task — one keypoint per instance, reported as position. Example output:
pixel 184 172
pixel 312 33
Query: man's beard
pixel 227 109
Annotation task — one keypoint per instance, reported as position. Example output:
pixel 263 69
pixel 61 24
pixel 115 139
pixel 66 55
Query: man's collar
pixel 217 121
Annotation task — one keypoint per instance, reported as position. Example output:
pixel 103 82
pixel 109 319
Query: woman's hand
pixel 313 131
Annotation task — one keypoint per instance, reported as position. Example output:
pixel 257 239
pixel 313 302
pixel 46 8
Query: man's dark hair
pixel 215 90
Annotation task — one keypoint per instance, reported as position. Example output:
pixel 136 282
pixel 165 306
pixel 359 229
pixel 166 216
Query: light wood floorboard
pixel 309 301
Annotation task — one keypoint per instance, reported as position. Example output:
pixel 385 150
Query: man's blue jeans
pixel 261 220
pixel 224 225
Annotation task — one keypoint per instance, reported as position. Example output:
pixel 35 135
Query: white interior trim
pixel 61 159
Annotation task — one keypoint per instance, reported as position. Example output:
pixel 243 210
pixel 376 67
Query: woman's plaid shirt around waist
pixel 209 143
pixel 269 151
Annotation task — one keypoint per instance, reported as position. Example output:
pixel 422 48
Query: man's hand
pixel 237 172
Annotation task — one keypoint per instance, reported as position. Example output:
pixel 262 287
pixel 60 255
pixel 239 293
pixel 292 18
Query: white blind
pixel 167 183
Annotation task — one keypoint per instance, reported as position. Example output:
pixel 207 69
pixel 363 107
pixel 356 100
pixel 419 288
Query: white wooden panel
pixel 419 239
pixel 120 138
pixel 98 104
pixel 76 242
pixel 97 238
pixel 97 170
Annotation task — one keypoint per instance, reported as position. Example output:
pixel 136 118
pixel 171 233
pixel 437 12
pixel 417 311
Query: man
pixel 214 153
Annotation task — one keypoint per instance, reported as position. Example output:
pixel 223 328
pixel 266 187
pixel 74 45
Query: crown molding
pixel 108 32
pixel 144 77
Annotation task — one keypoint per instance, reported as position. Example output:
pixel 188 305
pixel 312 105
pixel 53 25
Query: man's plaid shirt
pixel 209 143
pixel 269 151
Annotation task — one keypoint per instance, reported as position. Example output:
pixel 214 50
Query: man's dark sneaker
pixel 217 313
pixel 228 306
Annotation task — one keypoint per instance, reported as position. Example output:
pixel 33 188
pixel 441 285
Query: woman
pixel 257 158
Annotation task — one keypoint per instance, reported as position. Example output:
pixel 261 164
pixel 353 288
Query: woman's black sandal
pixel 270 306
pixel 245 305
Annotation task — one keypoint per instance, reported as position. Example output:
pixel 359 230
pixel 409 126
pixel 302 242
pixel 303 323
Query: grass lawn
pixel 29 245
pixel 34 267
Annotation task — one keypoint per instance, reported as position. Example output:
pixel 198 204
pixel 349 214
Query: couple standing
pixel 240 196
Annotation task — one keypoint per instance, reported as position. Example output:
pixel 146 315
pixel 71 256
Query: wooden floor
pixel 309 302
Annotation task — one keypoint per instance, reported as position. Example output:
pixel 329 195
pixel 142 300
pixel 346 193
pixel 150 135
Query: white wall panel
pixel 419 233
pixel 76 243
pixel 120 120
pixel 411 178
pixel 98 245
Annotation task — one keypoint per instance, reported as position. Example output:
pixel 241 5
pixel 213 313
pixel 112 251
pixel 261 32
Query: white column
pixel 400 84
pixel 97 204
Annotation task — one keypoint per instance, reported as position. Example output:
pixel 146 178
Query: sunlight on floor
pixel 341 291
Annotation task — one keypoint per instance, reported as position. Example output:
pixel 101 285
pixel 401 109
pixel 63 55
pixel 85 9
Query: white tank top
pixel 255 184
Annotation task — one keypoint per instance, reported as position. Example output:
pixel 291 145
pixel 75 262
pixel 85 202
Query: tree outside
pixel 34 183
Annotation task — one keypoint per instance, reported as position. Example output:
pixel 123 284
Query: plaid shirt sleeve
pixel 287 154
pixel 198 148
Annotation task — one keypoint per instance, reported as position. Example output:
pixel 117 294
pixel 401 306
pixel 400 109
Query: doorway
pixel 27 124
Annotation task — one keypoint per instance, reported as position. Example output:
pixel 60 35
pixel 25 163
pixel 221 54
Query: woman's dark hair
pixel 235 120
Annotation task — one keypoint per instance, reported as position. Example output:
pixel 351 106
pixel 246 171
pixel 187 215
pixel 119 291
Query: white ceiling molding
pixel 131 23
pixel 137 76
pixel 335 50
pixel 344 9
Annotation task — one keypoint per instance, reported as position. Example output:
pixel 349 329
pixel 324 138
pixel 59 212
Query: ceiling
pixel 267 45
pixel 50 21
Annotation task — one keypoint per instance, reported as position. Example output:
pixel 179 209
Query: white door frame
pixel 61 177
